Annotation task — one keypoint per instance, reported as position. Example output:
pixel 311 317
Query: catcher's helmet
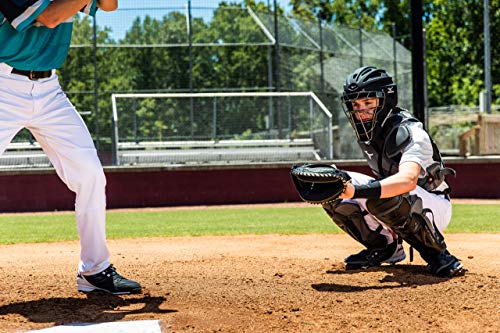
pixel 369 82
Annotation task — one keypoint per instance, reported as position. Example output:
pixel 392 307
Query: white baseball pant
pixel 42 107
pixel 440 206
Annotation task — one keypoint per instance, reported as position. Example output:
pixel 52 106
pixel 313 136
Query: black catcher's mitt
pixel 319 183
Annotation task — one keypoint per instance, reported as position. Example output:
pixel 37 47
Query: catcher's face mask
pixel 362 108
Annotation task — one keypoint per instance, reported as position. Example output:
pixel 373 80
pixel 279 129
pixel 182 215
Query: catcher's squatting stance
pixel 35 36
pixel 409 199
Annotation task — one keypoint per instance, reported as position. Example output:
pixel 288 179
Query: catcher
pixel 409 198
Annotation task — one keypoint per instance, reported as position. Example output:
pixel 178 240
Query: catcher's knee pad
pixel 349 217
pixel 406 216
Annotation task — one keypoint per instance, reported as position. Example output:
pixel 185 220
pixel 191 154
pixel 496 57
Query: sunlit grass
pixel 24 228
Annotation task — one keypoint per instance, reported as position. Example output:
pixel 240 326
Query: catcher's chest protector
pixel 385 151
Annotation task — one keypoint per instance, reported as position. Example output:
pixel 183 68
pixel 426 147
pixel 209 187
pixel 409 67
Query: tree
pixel 456 52
pixel 455 39
pixel 343 12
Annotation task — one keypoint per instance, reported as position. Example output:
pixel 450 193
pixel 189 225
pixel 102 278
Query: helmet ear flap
pixel 348 105
pixel 345 101
pixel 391 96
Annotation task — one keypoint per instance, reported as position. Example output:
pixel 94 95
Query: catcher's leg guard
pixel 407 217
pixel 350 218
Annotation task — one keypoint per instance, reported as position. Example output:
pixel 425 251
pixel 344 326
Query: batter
pixel 35 36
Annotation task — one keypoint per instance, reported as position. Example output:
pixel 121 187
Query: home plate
pixel 141 326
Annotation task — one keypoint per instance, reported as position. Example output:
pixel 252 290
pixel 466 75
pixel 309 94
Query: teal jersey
pixel 28 45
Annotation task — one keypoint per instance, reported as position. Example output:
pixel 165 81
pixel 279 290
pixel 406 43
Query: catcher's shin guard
pixel 405 215
pixel 349 217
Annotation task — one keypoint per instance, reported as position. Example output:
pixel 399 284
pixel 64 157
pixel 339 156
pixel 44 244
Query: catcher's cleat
pixel 445 265
pixel 108 281
pixel 398 255
pixel 390 254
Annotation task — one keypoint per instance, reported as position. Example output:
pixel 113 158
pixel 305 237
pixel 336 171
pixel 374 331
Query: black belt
pixel 33 75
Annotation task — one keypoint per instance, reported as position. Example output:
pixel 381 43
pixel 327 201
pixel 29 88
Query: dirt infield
pixel 267 283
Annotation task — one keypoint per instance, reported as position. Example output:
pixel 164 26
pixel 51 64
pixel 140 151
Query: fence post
pixel 487 55
pixel 96 88
pixel 270 74
pixel 276 48
pixel 134 106
pixel 289 118
pixel 417 59
pixel 311 115
pixel 114 132
pixel 190 47
pixel 277 67
pixel 214 120
pixel 330 139
pixel 394 53
pixel 426 110
pixel 321 57
pixel 360 29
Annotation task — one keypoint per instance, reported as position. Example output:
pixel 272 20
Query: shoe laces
pixel 112 273
pixel 378 252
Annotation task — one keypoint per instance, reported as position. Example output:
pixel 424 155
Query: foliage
pixel 455 39
pixel 375 15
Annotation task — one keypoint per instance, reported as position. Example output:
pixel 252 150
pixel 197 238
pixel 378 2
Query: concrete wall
pixel 41 190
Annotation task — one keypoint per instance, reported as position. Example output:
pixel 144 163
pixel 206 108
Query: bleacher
pixel 30 155
pixel 225 151
pixel 24 155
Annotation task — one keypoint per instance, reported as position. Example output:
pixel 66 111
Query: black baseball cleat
pixel 445 265
pixel 391 254
pixel 108 281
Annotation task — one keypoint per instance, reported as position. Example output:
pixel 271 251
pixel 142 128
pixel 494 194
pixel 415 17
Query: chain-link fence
pixel 157 46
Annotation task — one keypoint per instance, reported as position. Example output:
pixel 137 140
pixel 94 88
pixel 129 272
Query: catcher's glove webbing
pixel 319 183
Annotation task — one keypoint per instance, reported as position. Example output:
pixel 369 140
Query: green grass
pixel 475 219
pixel 303 220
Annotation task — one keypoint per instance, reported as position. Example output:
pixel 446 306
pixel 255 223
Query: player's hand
pixel 348 193
pixel 107 5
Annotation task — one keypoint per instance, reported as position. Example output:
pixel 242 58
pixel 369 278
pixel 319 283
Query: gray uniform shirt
pixel 419 150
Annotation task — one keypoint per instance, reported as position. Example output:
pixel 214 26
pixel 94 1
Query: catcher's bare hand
pixel 348 193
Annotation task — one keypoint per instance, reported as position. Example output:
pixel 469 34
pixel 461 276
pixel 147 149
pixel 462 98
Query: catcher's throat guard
pixel 319 183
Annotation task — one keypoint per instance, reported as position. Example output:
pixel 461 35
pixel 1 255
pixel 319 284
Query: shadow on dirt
pixel 96 307
pixel 399 276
